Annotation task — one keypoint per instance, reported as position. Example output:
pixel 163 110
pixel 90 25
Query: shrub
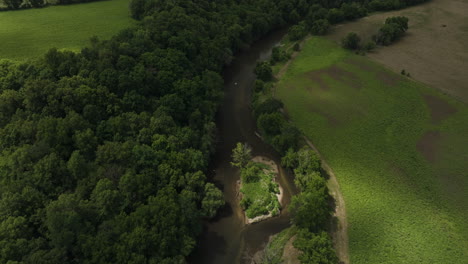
pixel 320 27
pixel 351 41
pixel 263 71
pixel 297 32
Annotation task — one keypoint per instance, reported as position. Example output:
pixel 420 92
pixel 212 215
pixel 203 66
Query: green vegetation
pixel 397 147
pixel 273 252
pixel 30 33
pixel 259 190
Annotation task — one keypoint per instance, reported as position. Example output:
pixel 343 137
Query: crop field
pixel 397 146
pixel 433 50
pixel 30 33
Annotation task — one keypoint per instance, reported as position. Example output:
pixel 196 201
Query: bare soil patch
pixel 440 110
pixel 290 253
pixel 431 52
pixel 316 76
pixel 427 145
pixel 337 73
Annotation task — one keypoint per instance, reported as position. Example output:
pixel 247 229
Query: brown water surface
pixel 227 239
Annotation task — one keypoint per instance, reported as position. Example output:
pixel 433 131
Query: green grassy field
pixel 398 148
pixel 30 33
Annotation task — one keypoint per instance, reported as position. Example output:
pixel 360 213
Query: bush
pixel 335 15
pixel 351 41
pixel 315 248
pixel 320 27
pixel 263 71
pixel 393 29
pixel 369 46
pixel 270 105
pixel 297 32
pixel 270 124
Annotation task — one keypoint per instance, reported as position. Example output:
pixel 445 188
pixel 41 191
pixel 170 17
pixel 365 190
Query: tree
pixel 316 248
pixel 13 4
pixel 297 32
pixel 212 201
pixel 37 3
pixel 351 41
pixel 241 155
pixel 263 71
pixel 319 27
pixel 310 210
pixel 270 124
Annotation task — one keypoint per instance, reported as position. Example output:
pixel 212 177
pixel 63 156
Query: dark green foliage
pixel 263 71
pixel 351 41
pixel 13 4
pixel 278 55
pixel 212 201
pixel 269 106
pixel 319 27
pixel 316 248
pixel 310 210
pixel 352 10
pixel 369 46
pixel 335 16
pixel 270 124
pixel 392 30
pixel 297 32
pixel 37 3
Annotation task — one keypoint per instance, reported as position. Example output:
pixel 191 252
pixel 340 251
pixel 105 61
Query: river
pixel 226 239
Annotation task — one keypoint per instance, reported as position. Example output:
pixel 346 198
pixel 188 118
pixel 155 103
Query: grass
pixel 367 123
pixel 30 33
pixel 259 195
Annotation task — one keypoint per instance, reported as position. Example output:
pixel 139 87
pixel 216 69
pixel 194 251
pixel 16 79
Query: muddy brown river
pixel 227 239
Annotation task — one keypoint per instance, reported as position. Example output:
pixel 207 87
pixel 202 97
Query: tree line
pixel 26 4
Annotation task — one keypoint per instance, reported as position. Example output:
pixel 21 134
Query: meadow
pixel 397 146
pixel 30 33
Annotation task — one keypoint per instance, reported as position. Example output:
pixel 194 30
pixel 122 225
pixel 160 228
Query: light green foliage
pixel 30 33
pixel 258 190
pixel 316 248
pixel 273 252
pixel 241 155
pixel 212 201
pixel 401 208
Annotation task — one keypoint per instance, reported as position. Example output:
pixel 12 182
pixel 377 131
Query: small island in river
pixel 259 193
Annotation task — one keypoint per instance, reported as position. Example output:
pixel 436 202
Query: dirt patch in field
pixel 332 121
pixel 336 73
pixel 427 145
pixel 316 76
pixel 440 110
pixel 389 78
pixel 434 49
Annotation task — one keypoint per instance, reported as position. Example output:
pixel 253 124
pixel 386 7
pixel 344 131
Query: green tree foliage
pixel 392 30
pixel 351 41
pixel 310 210
pixel 270 105
pixel 316 248
pixel 241 155
pixel 263 71
pixel 319 27
pixel 212 201
pixel 297 32
pixel 13 4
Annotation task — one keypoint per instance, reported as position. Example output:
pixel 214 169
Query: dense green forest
pixel 103 153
